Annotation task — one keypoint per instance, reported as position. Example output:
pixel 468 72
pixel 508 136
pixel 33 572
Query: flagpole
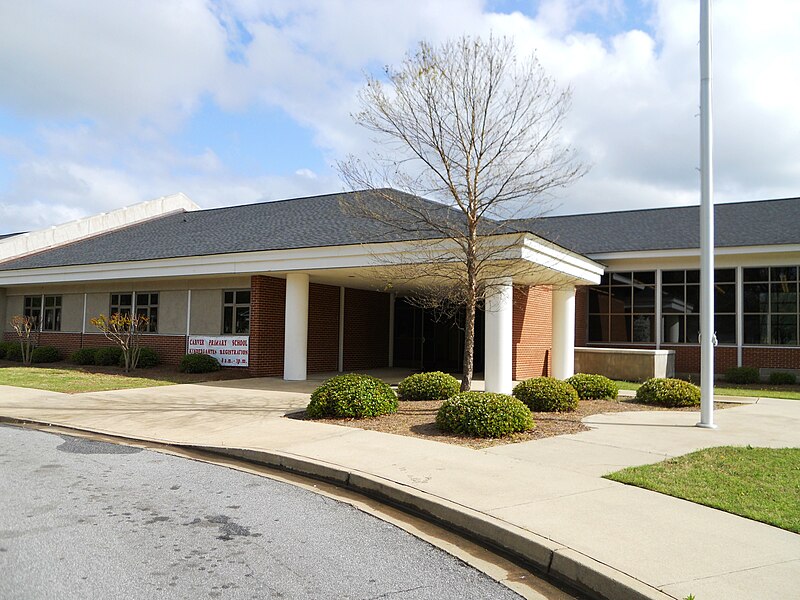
pixel 708 337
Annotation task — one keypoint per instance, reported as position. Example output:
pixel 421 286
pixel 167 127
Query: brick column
pixel 267 308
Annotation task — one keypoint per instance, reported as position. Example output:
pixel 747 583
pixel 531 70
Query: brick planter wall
pixel 532 336
pixel 366 329
pixel 323 328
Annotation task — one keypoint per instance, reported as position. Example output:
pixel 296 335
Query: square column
pixel 295 352
pixel 564 332
pixel 498 336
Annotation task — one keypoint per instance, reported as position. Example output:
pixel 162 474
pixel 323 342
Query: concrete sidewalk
pixel 544 500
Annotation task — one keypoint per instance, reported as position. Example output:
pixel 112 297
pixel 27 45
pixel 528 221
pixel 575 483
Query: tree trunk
pixel 469 342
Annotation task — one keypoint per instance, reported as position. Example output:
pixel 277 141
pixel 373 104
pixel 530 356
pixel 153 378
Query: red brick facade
pixel 366 329
pixel 267 313
pixel 323 328
pixel 532 336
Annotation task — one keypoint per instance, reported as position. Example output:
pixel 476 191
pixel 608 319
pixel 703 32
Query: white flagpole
pixel 706 226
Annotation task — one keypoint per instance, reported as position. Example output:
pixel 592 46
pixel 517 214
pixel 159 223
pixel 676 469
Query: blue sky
pixel 234 101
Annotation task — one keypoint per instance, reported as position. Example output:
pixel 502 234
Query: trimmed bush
pixel 108 356
pixel 428 386
pixel 84 356
pixel 352 396
pixel 45 354
pixel 668 392
pixel 742 375
pixel 14 353
pixel 593 387
pixel 147 358
pixel 782 378
pixel 483 414
pixel 198 363
pixel 4 346
pixel 547 394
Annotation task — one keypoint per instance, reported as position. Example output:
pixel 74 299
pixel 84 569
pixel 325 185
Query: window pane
pixel 598 328
pixel 783 274
pixel 692 298
pixel 57 320
pixel 228 297
pixel 644 300
pixel 672 300
pixel 243 297
pixel 152 326
pixel 620 299
pixel 755 329
pixel 693 276
pixel 644 328
pixel 153 299
pixel 621 278
pixel 646 277
pixel 598 300
pixel 725 298
pixel 48 320
pixel 672 329
pixel 784 298
pixel 756 297
pixel 142 299
pixel 606 277
pixel 692 328
pixel 725 275
pixel 125 300
pixel 620 328
pixel 725 326
pixel 49 301
pixel 114 299
pixel 784 330
pixel 242 319
pixel 673 276
pixel 227 319
pixel 756 274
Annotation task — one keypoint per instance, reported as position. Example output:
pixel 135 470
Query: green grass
pixel 757 483
pixel 72 381
pixel 755 390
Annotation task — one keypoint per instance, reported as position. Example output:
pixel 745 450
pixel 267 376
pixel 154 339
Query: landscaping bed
pixel 418 419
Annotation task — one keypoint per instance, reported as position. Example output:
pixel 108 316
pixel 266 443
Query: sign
pixel 229 350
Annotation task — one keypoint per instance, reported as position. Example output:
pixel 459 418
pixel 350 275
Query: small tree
pixel 126 332
pixel 469 126
pixel 27 329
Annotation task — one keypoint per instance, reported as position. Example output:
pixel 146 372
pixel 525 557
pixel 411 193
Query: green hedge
pixel 428 386
pixel 547 394
pixel 4 347
pixel 668 392
pixel 742 375
pixel 483 414
pixel 198 363
pixel 593 387
pixel 84 356
pixel 782 378
pixel 352 396
pixel 108 356
pixel 45 354
pixel 14 353
pixel 147 359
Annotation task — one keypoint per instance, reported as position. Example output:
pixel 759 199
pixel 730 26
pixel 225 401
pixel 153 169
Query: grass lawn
pixel 72 381
pixel 754 390
pixel 757 483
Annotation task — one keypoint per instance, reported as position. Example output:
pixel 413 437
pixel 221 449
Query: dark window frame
pixel 234 304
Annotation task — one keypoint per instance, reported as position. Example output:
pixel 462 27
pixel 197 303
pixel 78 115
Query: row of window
pixel 46 310
pixel 623 307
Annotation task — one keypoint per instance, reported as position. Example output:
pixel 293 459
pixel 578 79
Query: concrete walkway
pixel 544 499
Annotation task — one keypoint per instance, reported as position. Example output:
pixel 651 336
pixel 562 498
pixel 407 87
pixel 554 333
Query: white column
pixel 341 330
pixel 295 347
pixel 739 315
pixel 564 332
pixel 188 317
pixel 497 338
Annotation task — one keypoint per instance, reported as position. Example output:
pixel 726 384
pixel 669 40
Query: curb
pixel 598 580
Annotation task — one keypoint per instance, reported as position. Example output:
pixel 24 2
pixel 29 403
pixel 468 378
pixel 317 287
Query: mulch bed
pixel 418 419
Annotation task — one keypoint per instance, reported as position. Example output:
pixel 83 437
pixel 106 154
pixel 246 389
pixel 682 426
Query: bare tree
pixel 468 125
pixel 27 329
pixel 125 330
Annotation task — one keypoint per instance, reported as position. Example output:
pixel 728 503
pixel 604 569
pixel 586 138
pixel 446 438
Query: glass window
pixel 622 308
pixel 121 304
pixel 52 313
pixel 771 306
pixel 236 312
pixel 680 306
pixel 147 306
pixel 32 308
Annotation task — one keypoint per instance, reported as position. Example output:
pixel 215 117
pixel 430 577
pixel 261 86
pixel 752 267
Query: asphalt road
pixel 84 519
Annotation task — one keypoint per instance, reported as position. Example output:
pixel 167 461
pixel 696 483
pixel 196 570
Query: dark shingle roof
pixel 8 235
pixel 329 220
pixel 765 222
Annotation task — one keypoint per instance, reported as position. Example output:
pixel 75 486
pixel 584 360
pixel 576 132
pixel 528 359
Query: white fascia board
pixel 693 252
pixel 539 251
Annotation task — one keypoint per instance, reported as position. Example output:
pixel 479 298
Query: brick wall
pixel 366 330
pixel 581 315
pixel 267 313
pixel 323 328
pixel 532 337
pixel 771 358
pixel 687 358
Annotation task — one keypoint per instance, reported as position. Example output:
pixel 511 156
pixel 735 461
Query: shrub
pixel 482 414
pixel 4 347
pixel 147 359
pixel 352 396
pixel 782 378
pixel 668 392
pixel 108 356
pixel 742 375
pixel 547 394
pixel 593 387
pixel 84 356
pixel 45 354
pixel 14 353
pixel 428 386
pixel 198 363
